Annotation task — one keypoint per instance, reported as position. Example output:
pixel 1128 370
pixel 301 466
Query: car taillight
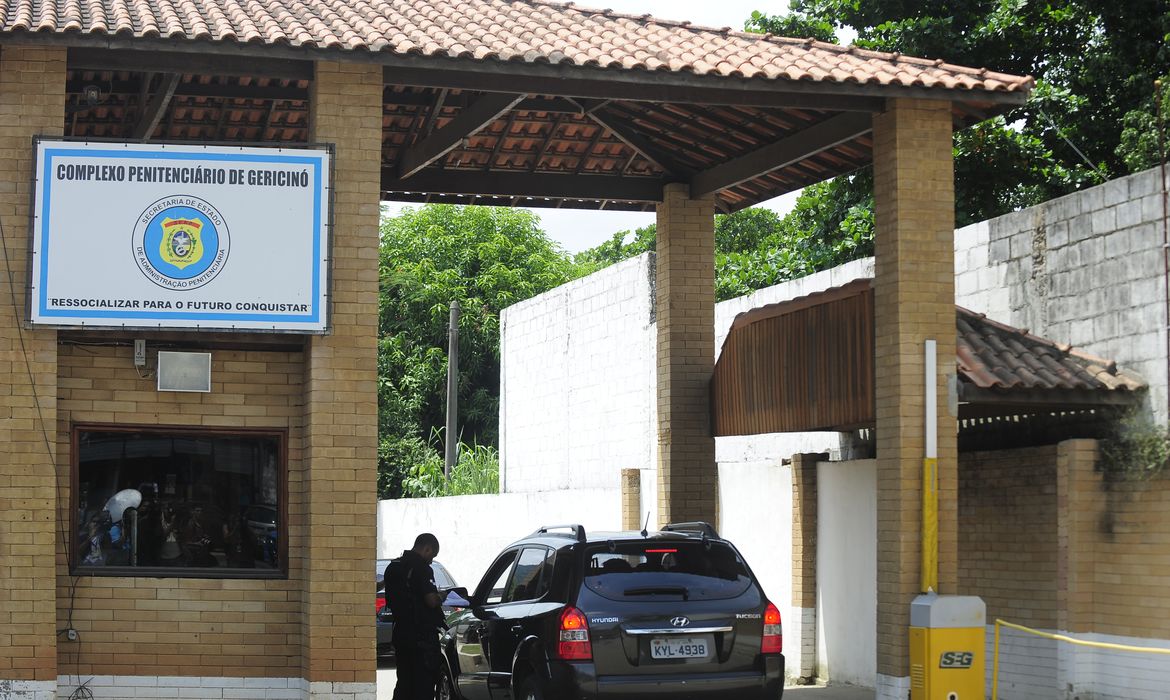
pixel 574 644
pixel 773 640
pixel 379 603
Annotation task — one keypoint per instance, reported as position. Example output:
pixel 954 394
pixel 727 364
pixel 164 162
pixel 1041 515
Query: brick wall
pixel 182 626
pixel 32 102
pixel 1007 533
pixel 1132 560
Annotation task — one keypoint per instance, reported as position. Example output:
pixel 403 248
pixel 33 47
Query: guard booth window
pixel 178 502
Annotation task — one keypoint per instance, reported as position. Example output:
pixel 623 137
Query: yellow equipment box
pixel 947 648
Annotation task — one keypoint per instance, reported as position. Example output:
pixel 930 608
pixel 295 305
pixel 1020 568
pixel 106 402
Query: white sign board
pixel 180 236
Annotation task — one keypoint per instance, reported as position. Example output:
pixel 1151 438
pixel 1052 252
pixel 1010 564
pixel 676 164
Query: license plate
pixel 680 648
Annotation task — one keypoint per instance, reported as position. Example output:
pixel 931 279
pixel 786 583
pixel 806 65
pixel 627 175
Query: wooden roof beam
pixel 157 106
pixel 642 145
pixel 479 114
pixel 792 149
pixel 497 184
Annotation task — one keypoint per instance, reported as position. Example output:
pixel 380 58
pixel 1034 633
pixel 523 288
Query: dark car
pixel 563 614
pixel 385 618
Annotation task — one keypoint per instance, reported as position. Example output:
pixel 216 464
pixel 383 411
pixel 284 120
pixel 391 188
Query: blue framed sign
pixel 170 236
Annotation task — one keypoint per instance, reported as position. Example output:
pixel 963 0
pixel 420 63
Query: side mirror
pixel 457 598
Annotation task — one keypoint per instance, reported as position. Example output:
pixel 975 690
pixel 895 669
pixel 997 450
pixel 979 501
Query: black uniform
pixel 409 579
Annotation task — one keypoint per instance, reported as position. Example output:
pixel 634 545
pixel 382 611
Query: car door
pixel 509 626
pixel 470 631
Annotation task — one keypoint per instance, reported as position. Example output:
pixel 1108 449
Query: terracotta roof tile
pixel 993 355
pixel 532 31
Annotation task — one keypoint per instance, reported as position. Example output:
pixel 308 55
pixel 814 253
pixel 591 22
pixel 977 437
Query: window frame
pixel 282 529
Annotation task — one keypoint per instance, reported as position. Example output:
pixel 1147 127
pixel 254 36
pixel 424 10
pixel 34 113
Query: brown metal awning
pixel 808 364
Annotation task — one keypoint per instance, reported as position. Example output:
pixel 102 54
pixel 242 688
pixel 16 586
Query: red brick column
pixel 687 475
pixel 32 102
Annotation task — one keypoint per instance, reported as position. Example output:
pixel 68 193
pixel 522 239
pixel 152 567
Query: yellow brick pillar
pixel 32 102
pixel 339 494
pixel 631 499
pixel 1080 508
pixel 914 300
pixel 687 475
pixel 802 631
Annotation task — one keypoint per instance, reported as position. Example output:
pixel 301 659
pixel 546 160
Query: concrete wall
pixel 1084 269
pixel 473 529
pixel 577 385
pixel 755 513
pixel 847 572
pixel 577 367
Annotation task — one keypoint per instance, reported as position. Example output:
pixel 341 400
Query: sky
pixel 576 230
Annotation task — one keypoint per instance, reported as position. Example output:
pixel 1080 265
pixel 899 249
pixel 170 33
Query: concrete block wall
pixel 578 381
pixel 576 403
pixel 1085 269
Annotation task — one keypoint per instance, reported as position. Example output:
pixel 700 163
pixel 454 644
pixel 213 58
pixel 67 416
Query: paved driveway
pixel 796 692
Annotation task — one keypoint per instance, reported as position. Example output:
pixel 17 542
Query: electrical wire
pixel 82 692
pixel 1060 133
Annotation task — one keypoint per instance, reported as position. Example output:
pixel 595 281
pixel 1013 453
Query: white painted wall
pixel 576 372
pixel 755 513
pixel 847 572
pixel 473 529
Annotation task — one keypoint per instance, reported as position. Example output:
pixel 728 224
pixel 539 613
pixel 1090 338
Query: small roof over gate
pixel 493 102
pixel 807 364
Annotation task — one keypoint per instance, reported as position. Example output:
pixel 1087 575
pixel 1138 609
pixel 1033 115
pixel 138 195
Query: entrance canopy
pixel 505 103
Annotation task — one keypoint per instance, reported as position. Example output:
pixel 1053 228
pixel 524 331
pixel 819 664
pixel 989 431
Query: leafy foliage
pixel 756 248
pixel 487 259
pixel 477 471
pixel 1136 448
pixel 1090 117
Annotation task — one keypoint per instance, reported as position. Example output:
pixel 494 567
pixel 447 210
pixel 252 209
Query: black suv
pixel 567 615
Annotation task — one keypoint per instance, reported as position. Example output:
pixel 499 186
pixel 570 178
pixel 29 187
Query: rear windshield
pixel 654 571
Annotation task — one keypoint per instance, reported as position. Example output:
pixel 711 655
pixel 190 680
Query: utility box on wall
pixel 947 647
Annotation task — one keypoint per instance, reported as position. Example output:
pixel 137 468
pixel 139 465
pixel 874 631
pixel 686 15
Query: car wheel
pixel 532 688
pixel 446 688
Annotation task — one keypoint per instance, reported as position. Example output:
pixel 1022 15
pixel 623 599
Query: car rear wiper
pixel 655 590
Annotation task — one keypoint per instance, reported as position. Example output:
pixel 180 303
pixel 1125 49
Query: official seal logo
pixel 181 242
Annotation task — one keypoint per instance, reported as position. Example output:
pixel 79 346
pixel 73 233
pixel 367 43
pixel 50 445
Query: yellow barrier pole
pixel 995 665
pixel 929 567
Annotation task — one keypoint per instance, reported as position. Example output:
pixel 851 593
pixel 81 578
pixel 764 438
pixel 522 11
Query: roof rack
pixel 578 530
pixel 697 527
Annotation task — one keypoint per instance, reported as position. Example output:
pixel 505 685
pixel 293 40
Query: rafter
pixel 801 145
pixel 479 114
pixel 640 144
pixel 156 107
pixel 497 184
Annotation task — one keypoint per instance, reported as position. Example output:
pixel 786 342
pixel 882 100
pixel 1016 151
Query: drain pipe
pixel 1165 229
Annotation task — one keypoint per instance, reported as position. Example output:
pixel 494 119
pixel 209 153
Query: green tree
pixel 1094 60
pixel 755 248
pixel 487 259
